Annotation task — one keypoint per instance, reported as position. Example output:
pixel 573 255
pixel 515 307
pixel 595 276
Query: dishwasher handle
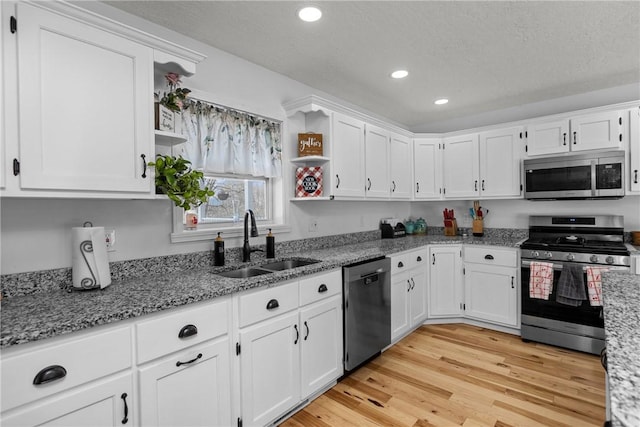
pixel 374 273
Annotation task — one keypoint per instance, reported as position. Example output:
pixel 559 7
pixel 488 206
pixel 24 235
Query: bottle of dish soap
pixel 271 245
pixel 218 251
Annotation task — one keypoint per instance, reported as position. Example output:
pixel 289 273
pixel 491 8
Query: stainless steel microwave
pixel 575 176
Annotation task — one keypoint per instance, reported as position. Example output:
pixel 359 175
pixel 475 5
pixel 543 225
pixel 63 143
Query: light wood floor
pixel 448 375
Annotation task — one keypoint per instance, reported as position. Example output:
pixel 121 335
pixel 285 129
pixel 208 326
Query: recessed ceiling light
pixel 441 101
pixel 309 14
pixel 400 74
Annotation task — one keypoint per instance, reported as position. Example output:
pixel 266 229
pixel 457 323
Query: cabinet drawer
pixel 72 361
pixel 320 286
pixel 173 332
pixel 267 303
pixel 491 256
pixel 407 260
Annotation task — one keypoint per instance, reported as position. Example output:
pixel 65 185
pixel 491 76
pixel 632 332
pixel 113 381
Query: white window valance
pixel 225 141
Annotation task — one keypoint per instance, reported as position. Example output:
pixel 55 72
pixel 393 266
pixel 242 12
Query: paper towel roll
pixel 90 264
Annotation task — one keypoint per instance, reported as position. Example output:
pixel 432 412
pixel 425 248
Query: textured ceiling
pixel 483 56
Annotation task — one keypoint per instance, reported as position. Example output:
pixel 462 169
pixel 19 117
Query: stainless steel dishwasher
pixel 367 310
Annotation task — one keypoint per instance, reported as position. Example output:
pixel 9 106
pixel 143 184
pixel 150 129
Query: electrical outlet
pixel 313 225
pixel 110 239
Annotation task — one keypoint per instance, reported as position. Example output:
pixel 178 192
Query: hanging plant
pixel 183 185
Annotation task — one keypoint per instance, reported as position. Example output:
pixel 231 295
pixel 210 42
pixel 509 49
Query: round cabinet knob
pixel 571 257
pixel 535 254
pixel 548 255
pixel 593 258
pixel 609 260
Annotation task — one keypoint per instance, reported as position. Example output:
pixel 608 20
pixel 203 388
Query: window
pixel 240 155
pixel 233 196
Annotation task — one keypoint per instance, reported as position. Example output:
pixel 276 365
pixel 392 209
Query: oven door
pixel 584 314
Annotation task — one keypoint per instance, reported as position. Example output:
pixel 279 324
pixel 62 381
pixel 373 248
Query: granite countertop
pixel 621 292
pixel 39 316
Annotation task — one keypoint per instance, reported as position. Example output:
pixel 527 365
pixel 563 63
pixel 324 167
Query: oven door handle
pixel 558 266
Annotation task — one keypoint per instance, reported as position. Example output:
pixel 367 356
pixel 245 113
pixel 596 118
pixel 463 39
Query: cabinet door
pixel 270 369
pixel 321 350
pixel 400 289
pixel 195 393
pixel 634 150
pixel 596 131
pixel 427 170
pixel 460 164
pixel 100 403
pixel 400 167
pixel 500 155
pixel 85 106
pixel 491 293
pixel 347 156
pixel 548 138
pixel 417 296
pixel 376 149
pixel 445 282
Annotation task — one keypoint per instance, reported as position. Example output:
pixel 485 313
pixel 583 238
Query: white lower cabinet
pixel 269 369
pixel 290 345
pixel 184 366
pixel 102 403
pixel 446 293
pixel 321 350
pixel 491 285
pixel 408 291
pixel 188 388
pixel 72 381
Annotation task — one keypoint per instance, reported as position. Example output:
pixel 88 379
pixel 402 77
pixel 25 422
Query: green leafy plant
pixel 182 184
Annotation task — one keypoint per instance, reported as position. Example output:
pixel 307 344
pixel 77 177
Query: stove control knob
pixel 535 254
pixel 571 257
pixel 594 258
pixel 609 260
pixel 548 255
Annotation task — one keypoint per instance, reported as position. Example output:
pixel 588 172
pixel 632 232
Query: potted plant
pixel 182 184
pixel 169 104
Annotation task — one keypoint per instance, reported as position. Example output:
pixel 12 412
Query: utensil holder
pixel 478 227
pixel 450 227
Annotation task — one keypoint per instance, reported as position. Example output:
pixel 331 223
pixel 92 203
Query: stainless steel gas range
pixel 573 244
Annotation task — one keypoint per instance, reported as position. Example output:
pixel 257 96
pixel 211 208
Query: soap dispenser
pixel 271 245
pixel 218 251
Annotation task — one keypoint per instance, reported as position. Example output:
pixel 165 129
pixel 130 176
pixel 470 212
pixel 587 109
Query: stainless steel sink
pixel 288 264
pixel 243 273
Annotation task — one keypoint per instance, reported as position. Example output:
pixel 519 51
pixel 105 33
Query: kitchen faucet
pixel 246 249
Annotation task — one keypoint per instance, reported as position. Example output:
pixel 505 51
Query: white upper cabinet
pixel 427 171
pixel 400 167
pixel 634 150
pixel 500 154
pixel 376 148
pixel 597 131
pixel 548 138
pixel 461 166
pixel 347 156
pixel 84 104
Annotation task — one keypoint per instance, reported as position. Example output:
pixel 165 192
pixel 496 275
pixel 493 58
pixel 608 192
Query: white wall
pixel 35 233
pixel 515 213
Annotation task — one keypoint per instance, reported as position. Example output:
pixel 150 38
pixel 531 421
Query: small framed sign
pixel 309 181
pixel 309 144
pixel 165 118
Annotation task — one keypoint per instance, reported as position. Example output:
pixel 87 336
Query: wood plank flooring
pixel 462 375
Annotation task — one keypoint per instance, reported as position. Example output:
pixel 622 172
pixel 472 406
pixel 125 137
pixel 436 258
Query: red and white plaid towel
pixel 594 284
pixel 540 280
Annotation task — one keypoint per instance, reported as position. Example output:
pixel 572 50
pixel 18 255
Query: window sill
pixel 210 233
